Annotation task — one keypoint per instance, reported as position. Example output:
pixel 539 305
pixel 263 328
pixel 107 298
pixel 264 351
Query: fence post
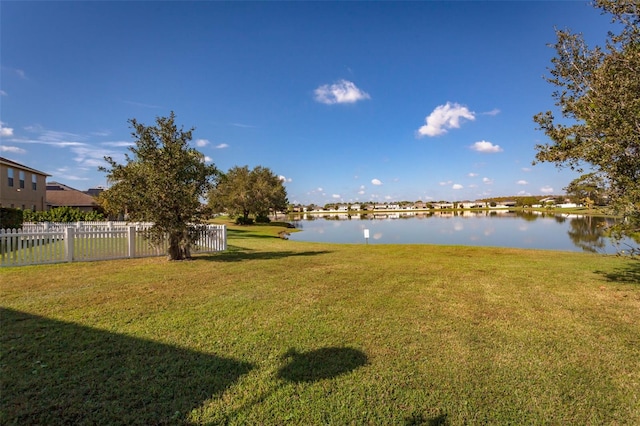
pixel 224 238
pixel 131 239
pixel 69 234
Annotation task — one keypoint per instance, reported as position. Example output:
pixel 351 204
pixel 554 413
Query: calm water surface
pixel 485 228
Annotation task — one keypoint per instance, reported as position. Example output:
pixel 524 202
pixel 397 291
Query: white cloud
pixel 3 93
pixel 472 175
pixel 526 169
pixel 285 179
pixel 92 157
pixel 201 143
pixel 494 111
pixel 361 192
pixel 73 177
pixel 335 196
pixel 445 117
pixel 445 183
pixel 523 193
pixel 457 186
pixel 118 144
pixel 222 146
pixel 207 159
pixel 342 92
pixel 319 189
pixel 376 182
pixel 484 146
pixel 522 182
pixel 546 190
pixel 5 132
pixel 487 181
pixel 12 149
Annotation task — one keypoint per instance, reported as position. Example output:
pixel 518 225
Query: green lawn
pixel 281 332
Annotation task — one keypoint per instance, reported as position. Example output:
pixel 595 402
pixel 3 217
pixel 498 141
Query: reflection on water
pixel 502 228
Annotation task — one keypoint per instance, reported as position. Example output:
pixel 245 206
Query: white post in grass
pixel 131 240
pixel 69 234
pixel 366 236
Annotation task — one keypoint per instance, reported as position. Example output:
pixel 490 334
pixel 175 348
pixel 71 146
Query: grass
pixel 275 331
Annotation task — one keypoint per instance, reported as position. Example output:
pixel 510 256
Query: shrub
pixel 241 220
pixel 62 214
pixel 10 218
pixel 262 218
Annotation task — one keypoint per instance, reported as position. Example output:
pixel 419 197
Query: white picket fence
pixel 42 243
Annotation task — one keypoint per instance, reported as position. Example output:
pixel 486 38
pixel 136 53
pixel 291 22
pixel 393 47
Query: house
pixel 59 195
pixel 443 205
pixel 21 186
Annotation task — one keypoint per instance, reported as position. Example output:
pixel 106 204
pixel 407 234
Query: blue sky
pixel 347 101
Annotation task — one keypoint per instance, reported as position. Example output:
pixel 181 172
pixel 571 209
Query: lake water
pixel 535 230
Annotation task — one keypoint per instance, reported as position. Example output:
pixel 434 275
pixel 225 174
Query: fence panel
pixel 30 248
pixel 54 243
pixel 100 244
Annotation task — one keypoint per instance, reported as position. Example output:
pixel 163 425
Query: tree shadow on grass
pixel 236 255
pixel 422 420
pixel 243 234
pixel 311 366
pixel 56 372
pixel 628 274
pixel 323 363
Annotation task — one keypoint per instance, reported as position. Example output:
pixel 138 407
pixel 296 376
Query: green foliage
pixel 241 220
pixel 62 214
pixel 598 94
pixel 10 218
pixel 588 189
pixel 262 218
pixel 243 192
pixel 162 182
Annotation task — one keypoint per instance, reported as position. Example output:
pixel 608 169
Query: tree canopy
pixel 162 182
pixel 598 95
pixel 242 192
pixel 588 189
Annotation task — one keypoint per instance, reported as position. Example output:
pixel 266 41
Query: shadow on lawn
pixel 629 274
pixel 421 420
pixel 311 366
pixel 235 255
pixel 241 234
pixel 55 372
pixel 323 363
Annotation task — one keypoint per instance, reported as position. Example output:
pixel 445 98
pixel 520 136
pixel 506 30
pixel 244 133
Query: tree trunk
pixel 179 246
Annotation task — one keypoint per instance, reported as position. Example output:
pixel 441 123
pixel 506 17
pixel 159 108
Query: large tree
pixel 588 189
pixel 598 95
pixel 242 192
pixel 162 182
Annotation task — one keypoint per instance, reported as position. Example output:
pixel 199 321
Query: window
pixel 10 176
pixel 34 182
pixel 21 174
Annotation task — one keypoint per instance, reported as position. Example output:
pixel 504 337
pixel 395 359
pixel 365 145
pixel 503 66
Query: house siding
pixel 21 195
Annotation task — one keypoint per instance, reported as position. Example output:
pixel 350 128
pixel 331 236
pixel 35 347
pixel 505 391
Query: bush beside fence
pixel 42 243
